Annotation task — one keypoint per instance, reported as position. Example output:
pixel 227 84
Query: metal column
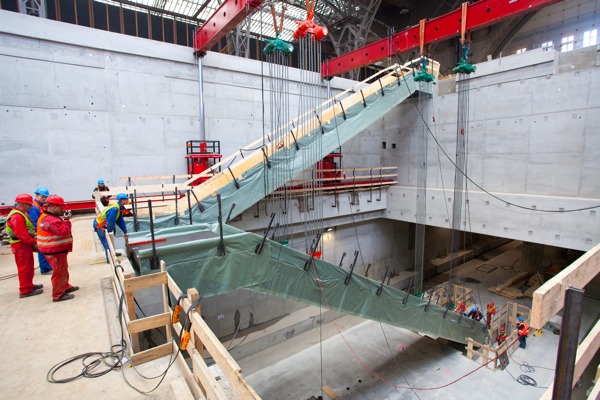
pixel 201 94
pixel 567 347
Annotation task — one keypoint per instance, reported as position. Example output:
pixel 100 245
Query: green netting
pixel 288 161
pixel 279 270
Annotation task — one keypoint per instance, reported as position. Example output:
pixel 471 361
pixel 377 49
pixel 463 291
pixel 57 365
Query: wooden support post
pixel 469 348
pixel 165 299
pixel 130 301
pixel 193 295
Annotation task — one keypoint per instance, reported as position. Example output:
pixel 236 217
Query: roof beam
pixel 227 16
pixel 479 15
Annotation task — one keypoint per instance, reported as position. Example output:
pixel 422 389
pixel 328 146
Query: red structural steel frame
pixel 227 16
pixel 479 15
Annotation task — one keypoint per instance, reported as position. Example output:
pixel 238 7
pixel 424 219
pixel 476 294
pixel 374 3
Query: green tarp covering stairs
pixel 279 270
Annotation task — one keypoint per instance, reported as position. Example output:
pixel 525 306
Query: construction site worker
pixel 462 309
pixel 109 218
pixel 475 314
pixel 501 336
pixel 102 188
pixel 41 194
pixel 523 332
pixel 55 240
pixel 21 236
pixel 491 310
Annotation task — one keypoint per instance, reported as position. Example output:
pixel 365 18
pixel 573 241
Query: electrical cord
pixel 116 357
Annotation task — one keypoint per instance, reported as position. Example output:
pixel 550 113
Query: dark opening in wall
pixel 393 145
pixel 383 145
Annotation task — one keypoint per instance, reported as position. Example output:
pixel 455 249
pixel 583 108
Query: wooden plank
pixel 180 389
pixel 145 281
pixel 147 323
pixel 216 349
pixel 586 352
pixel 595 393
pixel 510 281
pixel 193 296
pixel 206 379
pixel 329 392
pixel 165 300
pixel 153 177
pixel 187 374
pixel 227 364
pixel 152 354
pixel 168 188
pixel 549 299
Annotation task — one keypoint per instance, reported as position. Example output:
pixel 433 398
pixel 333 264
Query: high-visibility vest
pixel 50 243
pixel 524 329
pixel 101 219
pixel 28 224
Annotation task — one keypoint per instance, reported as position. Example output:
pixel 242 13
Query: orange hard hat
pixel 55 200
pixel 24 198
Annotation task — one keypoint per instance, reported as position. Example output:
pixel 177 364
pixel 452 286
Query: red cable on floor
pixel 364 365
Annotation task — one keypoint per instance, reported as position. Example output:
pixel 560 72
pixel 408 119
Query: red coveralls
pixel 55 241
pixel 23 252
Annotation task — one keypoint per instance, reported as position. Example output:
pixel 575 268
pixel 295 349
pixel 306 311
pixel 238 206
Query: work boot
pixel 34 292
pixel 46 273
pixel 38 286
pixel 72 289
pixel 65 296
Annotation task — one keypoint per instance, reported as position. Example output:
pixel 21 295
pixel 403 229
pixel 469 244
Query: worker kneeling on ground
pixel 110 217
pixel 55 241
pixel 21 236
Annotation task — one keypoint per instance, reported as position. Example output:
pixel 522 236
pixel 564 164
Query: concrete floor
pixel 351 351
pixel 36 333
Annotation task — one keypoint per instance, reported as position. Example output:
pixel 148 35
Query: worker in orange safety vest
pixel 523 332
pixel 54 239
pixel 21 236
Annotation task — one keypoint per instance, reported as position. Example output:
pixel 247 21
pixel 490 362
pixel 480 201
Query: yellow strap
pixel 421 35
pixel 463 22
pixel 274 19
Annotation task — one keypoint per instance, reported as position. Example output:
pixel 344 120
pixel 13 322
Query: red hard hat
pixel 24 198
pixel 54 200
pixel 502 329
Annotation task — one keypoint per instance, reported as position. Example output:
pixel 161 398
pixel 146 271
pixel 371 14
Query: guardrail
pixel 203 342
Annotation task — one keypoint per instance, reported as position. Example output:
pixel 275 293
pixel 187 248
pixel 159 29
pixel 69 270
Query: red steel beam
pixel 479 15
pixel 227 16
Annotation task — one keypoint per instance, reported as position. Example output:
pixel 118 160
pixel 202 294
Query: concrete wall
pixel 533 140
pixel 78 104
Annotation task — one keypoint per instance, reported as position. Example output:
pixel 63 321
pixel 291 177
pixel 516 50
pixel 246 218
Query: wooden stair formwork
pixel 178 186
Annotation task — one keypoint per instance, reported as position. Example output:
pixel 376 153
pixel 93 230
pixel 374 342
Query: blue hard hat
pixel 43 191
pixel 474 309
pixel 122 196
pixel 100 181
pixel 521 319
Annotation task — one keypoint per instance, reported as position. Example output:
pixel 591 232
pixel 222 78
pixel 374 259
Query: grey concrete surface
pixel 36 334
pixel 104 105
pixel 532 141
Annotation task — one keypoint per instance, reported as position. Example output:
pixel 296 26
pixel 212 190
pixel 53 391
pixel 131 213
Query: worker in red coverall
pixel 21 236
pixel 491 310
pixel 501 336
pixel 55 241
